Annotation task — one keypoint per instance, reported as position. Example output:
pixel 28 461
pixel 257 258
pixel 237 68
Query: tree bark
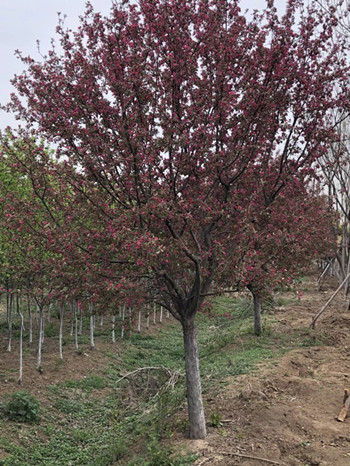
pixel 20 376
pixel 154 313
pixel 30 320
pixel 41 338
pixel 113 328
pixel 257 310
pixel 60 332
pixel 139 322
pixel 193 383
pixel 9 306
pixel 92 340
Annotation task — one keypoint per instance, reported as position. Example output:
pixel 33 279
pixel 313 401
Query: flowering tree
pixel 283 239
pixel 162 115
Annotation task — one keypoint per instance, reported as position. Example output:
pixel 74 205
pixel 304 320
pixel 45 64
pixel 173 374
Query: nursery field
pixel 269 400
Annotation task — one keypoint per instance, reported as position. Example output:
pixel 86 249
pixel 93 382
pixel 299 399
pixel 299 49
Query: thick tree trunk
pixel 257 310
pixel 193 383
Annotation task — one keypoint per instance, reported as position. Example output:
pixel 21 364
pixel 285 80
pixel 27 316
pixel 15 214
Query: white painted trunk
pixel 139 322
pixel 113 328
pixel 9 306
pixel 20 376
pixel 41 334
pixel 79 311
pixel 92 326
pixel 60 335
pixel 147 317
pixel 30 317
pixel 161 314
pixel 123 318
pixel 72 317
pixel 42 319
pixel 76 344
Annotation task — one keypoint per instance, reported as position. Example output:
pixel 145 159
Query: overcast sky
pixel 23 22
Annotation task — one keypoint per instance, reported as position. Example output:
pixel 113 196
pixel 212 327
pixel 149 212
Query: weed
pixel 215 419
pixel 22 407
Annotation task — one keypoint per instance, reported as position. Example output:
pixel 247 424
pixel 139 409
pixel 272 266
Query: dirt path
pixel 285 412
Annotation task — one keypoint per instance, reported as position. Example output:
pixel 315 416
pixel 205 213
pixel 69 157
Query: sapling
pixel 60 334
pixel 20 377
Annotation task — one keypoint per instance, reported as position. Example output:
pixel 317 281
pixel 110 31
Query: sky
pixel 24 22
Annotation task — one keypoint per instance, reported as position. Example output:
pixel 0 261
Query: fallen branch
pixel 257 458
pixel 150 368
pixel 205 461
pixel 314 320
pixel 346 403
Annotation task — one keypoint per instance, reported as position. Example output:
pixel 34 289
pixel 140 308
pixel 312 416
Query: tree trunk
pixel 41 338
pixel 147 317
pixel 123 318
pixel 76 333
pixel 139 322
pixel 92 340
pixel 257 310
pixel 193 383
pixel 20 376
pixel 9 305
pixel 113 328
pixel 61 332
pixel 30 317
pixel 80 319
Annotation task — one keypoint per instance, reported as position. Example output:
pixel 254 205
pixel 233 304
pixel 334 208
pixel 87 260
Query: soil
pixel 284 413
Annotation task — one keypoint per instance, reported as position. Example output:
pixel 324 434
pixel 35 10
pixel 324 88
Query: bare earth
pixel 285 413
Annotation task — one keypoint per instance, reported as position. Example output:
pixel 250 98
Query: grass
pixel 97 421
